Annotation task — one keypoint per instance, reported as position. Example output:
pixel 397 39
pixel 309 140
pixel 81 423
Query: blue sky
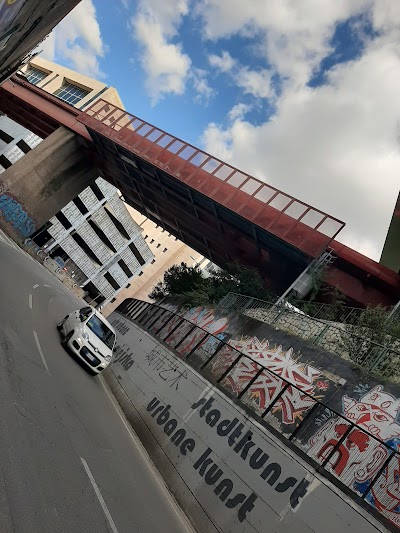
pixel 301 93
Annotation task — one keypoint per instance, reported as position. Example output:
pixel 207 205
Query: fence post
pixel 278 316
pixel 186 336
pixel 250 383
pixel 335 448
pixel 165 323
pixel 378 474
pixel 320 335
pixel 275 400
pixel 232 365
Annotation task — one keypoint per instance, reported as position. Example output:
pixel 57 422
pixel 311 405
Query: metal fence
pixel 336 338
pixel 237 374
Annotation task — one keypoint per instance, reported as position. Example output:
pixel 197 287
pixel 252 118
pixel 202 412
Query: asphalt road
pixel 68 461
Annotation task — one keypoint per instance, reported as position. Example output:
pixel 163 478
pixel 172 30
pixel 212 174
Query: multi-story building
pixel 167 251
pixel 93 237
pixel 97 241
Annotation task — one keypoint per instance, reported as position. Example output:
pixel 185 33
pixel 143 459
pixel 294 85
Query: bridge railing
pixel 270 208
pixel 325 445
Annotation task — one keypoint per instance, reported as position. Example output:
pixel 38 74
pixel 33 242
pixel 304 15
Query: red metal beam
pixel 50 107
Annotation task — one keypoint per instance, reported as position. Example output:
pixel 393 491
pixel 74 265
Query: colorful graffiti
pixel 203 318
pixel 359 458
pixel 13 212
pixel 293 403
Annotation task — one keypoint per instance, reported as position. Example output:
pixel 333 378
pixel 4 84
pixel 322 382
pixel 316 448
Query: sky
pixel 303 94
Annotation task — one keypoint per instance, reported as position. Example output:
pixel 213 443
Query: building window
pixel 153 261
pixel 22 145
pixel 5 137
pixel 165 250
pixel 80 205
pixel 152 240
pixel 35 75
pixel 111 281
pixel 64 220
pixel 140 274
pixel 4 162
pixel 146 236
pixel 125 268
pixel 158 245
pixel 71 93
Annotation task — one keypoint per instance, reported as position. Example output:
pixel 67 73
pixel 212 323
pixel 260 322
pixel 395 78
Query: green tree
pixel 189 285
pixel 363 341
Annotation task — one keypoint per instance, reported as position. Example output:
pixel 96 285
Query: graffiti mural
pixel 14 213
pixel 293 403
pixel 360 457
pixel 201 317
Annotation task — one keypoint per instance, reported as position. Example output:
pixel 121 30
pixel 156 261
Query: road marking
pixel 48 286
pixel 41 352
pixel 99 496
pixel 30 300
pixel 36 286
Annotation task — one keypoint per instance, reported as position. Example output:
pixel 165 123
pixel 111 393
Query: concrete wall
pixel 200 440
pixel 37 186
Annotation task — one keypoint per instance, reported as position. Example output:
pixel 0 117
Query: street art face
pixel 359 458
pixel 376 412
pixel 293 403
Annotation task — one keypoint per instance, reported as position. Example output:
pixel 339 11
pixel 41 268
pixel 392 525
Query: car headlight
pixel 107 358
pixel 85 335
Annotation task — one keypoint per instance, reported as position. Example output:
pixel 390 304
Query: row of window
pixel 68 92
pixel 158 245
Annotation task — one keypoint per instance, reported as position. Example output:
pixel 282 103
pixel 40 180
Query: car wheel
pixel 67 338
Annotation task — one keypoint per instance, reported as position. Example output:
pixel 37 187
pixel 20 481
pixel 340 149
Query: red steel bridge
pixel 222 212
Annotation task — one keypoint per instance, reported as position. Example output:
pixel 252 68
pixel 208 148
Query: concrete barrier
pixel 227 472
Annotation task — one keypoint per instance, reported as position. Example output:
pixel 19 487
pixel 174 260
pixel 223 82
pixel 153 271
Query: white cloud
pixel 77 41
pixel 239 111
pixel 223 63
pixel 255 82
pixel 205 93
pixel 336 146
pixel 166 66
pixel 294 34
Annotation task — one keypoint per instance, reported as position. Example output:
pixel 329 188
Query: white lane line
pixel 99 496
pixel 36 286
pixel 41 352
pixel 30 300
pixel 48 286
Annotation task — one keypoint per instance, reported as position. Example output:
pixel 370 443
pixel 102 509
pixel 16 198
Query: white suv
pixel 90 337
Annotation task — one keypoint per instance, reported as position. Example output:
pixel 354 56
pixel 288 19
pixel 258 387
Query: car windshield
pixel 101 331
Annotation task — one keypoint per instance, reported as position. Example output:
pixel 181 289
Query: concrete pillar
pixel 37 186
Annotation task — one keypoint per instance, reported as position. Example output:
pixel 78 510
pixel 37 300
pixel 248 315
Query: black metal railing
pixel 222 365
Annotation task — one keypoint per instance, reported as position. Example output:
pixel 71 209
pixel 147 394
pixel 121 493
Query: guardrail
pixel 236 373
pixel 372 356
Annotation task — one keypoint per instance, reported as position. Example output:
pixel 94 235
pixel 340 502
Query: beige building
pixel 74 88
pixel 167 251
